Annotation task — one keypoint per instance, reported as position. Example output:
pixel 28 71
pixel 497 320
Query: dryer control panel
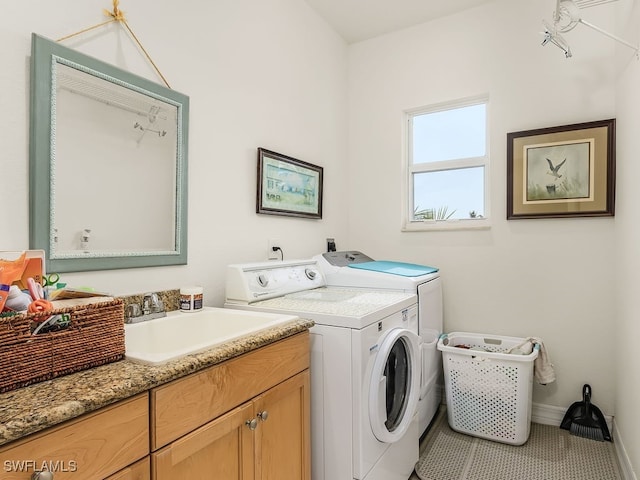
pixel 250 282
pixel 345 258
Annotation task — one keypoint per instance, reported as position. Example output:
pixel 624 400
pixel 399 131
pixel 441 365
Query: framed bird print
pixel 565 171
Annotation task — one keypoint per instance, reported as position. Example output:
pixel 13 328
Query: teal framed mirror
pixel 108 164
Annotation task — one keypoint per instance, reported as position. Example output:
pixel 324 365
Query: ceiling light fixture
pixel 567 16
pixel 551 35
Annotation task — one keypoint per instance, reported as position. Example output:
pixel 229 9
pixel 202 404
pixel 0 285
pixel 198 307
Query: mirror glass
pixel 108 164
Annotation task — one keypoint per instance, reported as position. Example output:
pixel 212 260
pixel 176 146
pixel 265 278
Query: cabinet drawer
pixel 185 404
pixel 91 447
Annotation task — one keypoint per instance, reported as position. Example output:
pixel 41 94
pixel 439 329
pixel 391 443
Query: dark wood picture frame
pixel 564 171
pixel 288 186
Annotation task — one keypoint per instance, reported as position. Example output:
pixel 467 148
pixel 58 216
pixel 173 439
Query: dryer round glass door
pixel 395 385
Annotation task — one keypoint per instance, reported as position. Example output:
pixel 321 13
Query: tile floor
pixel 549 454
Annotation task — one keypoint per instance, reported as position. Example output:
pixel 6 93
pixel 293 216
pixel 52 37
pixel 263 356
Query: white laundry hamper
pixel 488 390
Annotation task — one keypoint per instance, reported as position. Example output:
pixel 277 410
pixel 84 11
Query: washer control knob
pixel 263 280
pixel 310 273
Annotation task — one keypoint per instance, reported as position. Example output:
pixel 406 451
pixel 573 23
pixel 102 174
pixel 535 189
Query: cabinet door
pixel 138 471
pixel 222 450
pixel 282 436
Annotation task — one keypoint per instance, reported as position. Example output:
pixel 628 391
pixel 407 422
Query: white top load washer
pixel 365 366
pixel 355 269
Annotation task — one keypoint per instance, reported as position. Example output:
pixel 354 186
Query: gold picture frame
pixel 565 171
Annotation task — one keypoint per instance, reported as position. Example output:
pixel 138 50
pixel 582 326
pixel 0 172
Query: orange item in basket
pixel 40 305
pixel 10 270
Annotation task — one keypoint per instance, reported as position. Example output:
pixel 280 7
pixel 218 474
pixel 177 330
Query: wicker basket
pixel 95 336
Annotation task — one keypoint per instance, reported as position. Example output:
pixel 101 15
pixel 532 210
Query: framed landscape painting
pixel 287 186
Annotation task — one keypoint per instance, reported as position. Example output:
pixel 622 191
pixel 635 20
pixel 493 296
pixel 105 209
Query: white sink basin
pixel 179 334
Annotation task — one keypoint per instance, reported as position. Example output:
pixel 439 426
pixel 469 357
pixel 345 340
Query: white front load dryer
pixel 386 421
pixel 355 269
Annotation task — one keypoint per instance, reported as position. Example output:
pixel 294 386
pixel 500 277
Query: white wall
pixel 627 331
pixel 549 278
pixel 259 73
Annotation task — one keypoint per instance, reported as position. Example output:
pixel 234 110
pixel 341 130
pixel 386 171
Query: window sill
pixel 444 225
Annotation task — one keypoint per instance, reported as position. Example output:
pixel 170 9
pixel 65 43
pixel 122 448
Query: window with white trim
pixel 448 166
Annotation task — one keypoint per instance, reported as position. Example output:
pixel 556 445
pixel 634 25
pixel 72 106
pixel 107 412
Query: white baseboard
pixel 623 459
pixel 547 414
pixel 551 415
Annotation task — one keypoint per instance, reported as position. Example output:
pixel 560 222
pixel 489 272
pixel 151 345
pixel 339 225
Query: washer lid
pixel 395 268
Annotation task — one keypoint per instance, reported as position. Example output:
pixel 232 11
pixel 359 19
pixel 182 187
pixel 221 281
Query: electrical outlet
pixel 271 253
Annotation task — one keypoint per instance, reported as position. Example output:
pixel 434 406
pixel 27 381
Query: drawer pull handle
pixel 263 415
pixel 252 424
pixel 44 475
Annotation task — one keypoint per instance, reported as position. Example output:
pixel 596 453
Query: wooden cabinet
pixel 185 404
pixel 91 447
pixel 245 418
pixel 264 436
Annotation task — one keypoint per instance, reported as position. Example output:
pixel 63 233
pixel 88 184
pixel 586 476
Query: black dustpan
pixel 585 419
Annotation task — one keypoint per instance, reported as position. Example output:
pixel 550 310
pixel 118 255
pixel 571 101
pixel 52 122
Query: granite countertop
pixel 36 407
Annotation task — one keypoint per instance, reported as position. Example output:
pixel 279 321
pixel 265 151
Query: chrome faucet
pixel 152 307
pixel 151 303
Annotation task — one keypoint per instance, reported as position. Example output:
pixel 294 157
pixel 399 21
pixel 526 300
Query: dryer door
pixel 395 385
